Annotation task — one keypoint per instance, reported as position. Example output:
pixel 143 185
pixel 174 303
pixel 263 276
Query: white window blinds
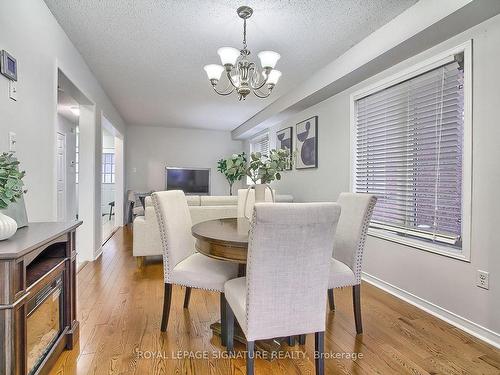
pixel 260 144
pixel 409 141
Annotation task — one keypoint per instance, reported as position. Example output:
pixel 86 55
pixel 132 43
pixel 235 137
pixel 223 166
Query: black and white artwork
pixel 284 141
pixel 307 143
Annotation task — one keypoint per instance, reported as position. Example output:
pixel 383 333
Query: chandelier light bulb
pixel 228 55
pixel 268 59
pixel 214 71
pixel 273 77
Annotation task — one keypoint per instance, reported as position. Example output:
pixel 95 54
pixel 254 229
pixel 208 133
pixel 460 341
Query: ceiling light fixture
pixel 242 74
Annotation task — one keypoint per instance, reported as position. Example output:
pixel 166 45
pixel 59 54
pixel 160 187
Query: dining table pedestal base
pixel 269 349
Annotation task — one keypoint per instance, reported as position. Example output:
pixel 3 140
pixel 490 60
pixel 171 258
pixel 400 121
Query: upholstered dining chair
pixel 290 246
pixel 349 244
pixel 250 201
pixel 182 265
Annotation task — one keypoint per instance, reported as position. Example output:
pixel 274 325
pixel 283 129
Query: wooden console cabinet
pixel 34 260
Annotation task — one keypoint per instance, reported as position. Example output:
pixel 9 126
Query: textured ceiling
pixel 149 54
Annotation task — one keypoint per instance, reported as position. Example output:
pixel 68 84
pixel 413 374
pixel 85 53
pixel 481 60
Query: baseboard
pixel 464 324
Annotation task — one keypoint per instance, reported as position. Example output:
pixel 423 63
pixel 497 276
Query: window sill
pixel 421 245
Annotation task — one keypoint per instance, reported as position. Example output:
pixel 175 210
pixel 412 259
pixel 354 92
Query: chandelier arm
pixel 222 92
pixel 231 80
pixel 261 95
pixel 261 85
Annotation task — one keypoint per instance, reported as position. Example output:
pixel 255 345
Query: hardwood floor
pixel 119 310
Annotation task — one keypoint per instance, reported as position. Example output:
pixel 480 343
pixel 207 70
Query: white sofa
pixel 146 233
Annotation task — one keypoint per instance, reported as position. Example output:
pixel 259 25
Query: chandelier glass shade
pixel 242 75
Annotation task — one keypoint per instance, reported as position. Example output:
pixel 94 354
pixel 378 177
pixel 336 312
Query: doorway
pixel 74 165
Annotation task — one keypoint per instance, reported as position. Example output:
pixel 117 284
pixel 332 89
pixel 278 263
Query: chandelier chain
pixel 245 34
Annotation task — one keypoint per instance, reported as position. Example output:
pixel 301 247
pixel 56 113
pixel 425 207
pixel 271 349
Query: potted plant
pixel 11 189
pixel 233 168
pixel 266 169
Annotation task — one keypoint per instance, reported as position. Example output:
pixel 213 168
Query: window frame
pixel 252 143
pixel 405 74
pixel 111 174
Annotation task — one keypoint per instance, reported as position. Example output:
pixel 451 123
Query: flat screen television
pixel 189 180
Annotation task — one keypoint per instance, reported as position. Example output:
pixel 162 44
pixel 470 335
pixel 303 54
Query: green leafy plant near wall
pixel 268 168
pixel 233 168
pixel 11 180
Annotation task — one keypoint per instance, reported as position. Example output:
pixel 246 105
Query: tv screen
pixel 190 181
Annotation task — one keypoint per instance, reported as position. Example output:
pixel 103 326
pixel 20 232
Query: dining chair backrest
pixel 349 244
pixel 250 201
pixel 174 221
pixel 287 268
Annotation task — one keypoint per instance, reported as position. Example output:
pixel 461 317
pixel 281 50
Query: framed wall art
pixel 306 134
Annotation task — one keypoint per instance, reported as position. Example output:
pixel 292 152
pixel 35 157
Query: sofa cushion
pixel 204 213
pixel 193 200
pixel 218 200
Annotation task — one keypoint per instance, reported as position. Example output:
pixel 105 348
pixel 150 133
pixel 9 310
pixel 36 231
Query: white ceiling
pixel 149 54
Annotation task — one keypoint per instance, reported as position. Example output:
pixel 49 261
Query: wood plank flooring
pixel 119 309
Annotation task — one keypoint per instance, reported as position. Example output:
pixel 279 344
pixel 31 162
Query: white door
pixel 61 176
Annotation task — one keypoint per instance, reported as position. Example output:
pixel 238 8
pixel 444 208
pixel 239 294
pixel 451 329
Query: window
pixel 108 168
pixel 410 152
pixel 259 144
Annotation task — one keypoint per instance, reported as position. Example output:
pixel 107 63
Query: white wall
pixel 150 149
pixel 30 33
pixel 439 280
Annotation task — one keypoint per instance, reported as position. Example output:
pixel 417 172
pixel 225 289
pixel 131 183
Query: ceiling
pixel 149 55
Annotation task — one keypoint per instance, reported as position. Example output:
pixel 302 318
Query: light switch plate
pixel 13 90
pixel 12 141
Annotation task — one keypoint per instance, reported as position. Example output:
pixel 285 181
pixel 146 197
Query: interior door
pixel 61 176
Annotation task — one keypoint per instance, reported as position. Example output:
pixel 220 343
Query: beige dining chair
pixel 182 265
pixel 283 291
pixel 345 264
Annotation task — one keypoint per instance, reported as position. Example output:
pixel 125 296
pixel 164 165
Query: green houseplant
pixel 233 168
pixel 268 168
pixel 11 189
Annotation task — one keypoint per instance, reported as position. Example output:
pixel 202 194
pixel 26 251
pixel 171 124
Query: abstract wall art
pixel 306 133
pixel 284 141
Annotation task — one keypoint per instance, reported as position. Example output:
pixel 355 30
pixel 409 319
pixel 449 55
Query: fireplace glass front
pixel 44 322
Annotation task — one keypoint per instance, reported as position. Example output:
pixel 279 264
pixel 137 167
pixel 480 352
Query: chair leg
pixel 302 339
pixel 250 357
pixel 187 297
pixel 319 347
pixel 229 318
pixel 331 299
pixel 291 340
pixel 223 322
pixel 356 301
pixel 167 299
pixel 140 261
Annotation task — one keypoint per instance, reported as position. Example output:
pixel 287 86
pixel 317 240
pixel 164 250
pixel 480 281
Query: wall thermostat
pixel 8 65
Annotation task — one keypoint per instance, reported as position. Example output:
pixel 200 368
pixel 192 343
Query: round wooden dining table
pixel 223 239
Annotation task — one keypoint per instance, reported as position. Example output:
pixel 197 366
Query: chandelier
pixel 243 75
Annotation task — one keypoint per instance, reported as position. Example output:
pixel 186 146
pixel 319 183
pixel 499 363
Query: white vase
pixel 8 227
pixel 260 192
